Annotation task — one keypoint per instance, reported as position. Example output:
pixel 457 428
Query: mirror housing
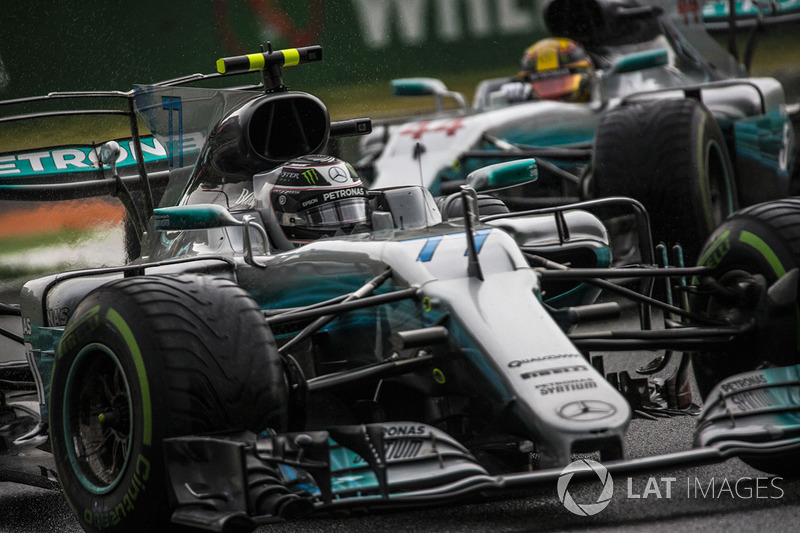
pixel 502 174
pixel 640 61
pixel 204 216
pixel 199 216
pixel 107 154
pixel 427 87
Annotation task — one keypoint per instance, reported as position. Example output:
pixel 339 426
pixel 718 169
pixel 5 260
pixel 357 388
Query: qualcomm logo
pixel 585 509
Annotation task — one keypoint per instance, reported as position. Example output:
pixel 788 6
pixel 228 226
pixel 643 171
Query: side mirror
pixel 502 174
pixel 639 61
pixel 427 87
pixel 107 154
pixel 200 216
pixel 203 216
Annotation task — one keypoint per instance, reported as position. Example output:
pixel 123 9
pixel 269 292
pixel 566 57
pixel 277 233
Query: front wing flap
pixel 240 480
pixel 754 410
pixel 219 479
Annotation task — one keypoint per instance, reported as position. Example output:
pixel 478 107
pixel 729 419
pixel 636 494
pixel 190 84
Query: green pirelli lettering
pixel 127 334
pixel 764 249
pixel 714 254
pixel 78 330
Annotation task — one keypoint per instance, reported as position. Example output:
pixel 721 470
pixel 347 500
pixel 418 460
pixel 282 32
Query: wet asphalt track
pixel 24 509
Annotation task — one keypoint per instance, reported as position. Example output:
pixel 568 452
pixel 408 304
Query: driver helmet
pixel 558 69
pixel 316 196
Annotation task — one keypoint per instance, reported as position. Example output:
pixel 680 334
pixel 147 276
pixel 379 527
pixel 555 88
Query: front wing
pixel 243 480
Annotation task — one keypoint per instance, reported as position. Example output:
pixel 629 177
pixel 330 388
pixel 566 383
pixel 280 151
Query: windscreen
pixel 180 119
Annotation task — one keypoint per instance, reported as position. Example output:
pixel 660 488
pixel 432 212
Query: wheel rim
pixel 718 183
pixel 97 418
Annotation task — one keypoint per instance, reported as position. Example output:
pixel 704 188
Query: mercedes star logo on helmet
pixel 586 410
pixel 337 174
pixel 585 509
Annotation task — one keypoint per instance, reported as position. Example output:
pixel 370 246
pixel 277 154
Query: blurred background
pixel 79 45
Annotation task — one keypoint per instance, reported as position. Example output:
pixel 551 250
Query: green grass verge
pixel 776 54
pixel 58 131
pixel 70 236
pixel 19 272
pixel 374 99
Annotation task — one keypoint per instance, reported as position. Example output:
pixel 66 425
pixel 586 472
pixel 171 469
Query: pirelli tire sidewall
pixel 139 497
pixel 762 239
pixel 150 358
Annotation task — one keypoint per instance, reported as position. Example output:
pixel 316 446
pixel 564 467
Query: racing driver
pixel 552 69
pixel 315 196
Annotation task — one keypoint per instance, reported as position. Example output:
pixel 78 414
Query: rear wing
pixel 73 168
pixel 158 134
pixel 718 15
pixel 685 23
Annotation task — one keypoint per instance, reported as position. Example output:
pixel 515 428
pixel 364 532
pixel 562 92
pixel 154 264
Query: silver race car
pixel 285 341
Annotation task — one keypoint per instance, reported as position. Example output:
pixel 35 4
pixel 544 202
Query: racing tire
pixel 671 156
pixel 763 239
pixel 148 358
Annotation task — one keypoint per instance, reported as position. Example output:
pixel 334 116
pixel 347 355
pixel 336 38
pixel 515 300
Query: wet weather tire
pixel 672 157
pixel 761 239
pixel 764 240
pixel 147 358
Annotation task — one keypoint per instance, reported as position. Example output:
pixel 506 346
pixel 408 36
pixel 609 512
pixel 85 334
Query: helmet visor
pixel 331 215
pixel 558 88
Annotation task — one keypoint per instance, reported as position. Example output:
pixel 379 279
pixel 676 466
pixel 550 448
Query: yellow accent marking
pixel 547 60
pixel 291 57
pixel 256 61
pixel 438 376
pixel 221 66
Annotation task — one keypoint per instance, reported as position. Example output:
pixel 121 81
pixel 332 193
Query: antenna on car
pixel 469 199
pixel 264 81
pixel 418 151
pixel 270 63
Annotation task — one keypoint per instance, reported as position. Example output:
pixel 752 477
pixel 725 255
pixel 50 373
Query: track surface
pixel 25 509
